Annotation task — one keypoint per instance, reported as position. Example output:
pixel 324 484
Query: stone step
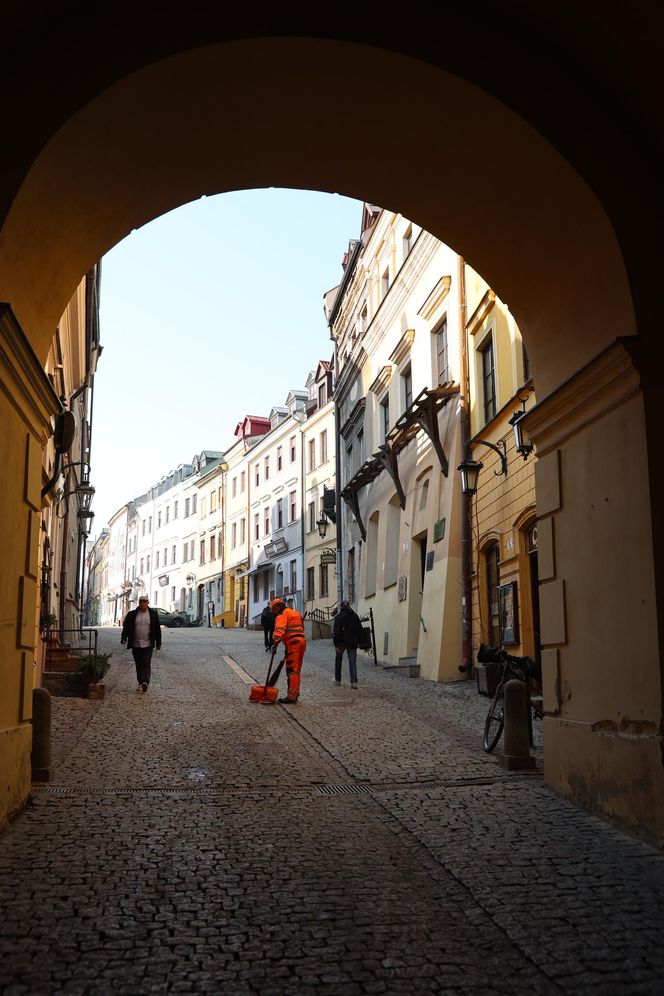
pixel 408 665
pixel 63 664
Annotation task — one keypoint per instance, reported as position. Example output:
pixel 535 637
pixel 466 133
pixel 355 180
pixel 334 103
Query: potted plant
pixel 92 668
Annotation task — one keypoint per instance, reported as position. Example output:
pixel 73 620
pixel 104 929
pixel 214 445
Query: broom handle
pixel 274 650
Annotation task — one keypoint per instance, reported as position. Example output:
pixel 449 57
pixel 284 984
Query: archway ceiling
pixel 546 65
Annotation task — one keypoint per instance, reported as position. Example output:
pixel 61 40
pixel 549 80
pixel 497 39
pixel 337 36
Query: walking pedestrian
pixel 267 622
pixel 289 630
pixel 346 635
pixel 142 633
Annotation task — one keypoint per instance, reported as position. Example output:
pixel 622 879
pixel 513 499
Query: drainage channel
pixel 339 789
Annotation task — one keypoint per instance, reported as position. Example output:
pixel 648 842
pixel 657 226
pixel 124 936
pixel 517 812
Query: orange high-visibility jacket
pixel 288 624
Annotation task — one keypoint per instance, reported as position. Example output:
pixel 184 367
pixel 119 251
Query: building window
pixel 175 510
pixel 310 584
pixel 234 535
pixel 173 554
pixel 312 454
pixel 220 548
pixel 323 446
pixel 349 461
pixel 243 482
pixel 526 364
pixel 407 387
pixel 393 526
pixel 150 524
pixel 156 598
pixel 385 282
pixel 202 552
pixel 243 528
pixel 384 417
pixel 322 399
pixel 168 513
pixel 165 556
pixel 407 241
pixel 156 561
pixel 213 501
pixel 350 575
pixel 234 487
pixel 280 513
pixel 184 553
pixel 257 475
pixel 364 319
pixel 292 505
pixel 142 566
pixel 266 522
pixel 359 449
pixel 266 468
pixel 279 457
pixel 492 569
pixel 143 531
pixel 312 516
pixel 173 593
pixel 292 448
pixel 324 581
pixel 257 526
pixel 147 565
pixel 213 544
pixel 203 508
pixel 186 508
pixel 372 555
pixel 159 519
pixel 293 576
pixel 488 381
pixel 442 358
pixel 194 499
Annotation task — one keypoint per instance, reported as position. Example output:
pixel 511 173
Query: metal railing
pixel 83 639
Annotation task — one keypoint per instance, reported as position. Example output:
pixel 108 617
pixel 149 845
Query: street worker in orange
pixel 289 630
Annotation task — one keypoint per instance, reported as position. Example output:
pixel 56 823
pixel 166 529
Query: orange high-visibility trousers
pixel 295 647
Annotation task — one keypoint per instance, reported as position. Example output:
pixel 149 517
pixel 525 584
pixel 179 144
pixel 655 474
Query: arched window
pixel 492 575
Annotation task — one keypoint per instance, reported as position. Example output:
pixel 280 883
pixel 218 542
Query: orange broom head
pixel 263 693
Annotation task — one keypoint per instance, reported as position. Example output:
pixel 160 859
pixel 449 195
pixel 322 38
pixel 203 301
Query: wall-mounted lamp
pixel 322 525
pixel 470 469
pixel 522 441
pixel 84 494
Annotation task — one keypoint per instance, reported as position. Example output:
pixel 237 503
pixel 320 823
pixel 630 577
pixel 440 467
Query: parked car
pixel 167 618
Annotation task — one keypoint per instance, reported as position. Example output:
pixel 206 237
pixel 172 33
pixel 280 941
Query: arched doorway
pixel 183 127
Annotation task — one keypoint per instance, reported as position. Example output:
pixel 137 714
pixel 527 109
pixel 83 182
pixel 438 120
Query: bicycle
pixel 523 668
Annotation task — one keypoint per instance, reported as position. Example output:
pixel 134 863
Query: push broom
pixel 269 691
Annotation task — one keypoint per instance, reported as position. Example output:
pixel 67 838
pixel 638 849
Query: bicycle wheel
pixel 495 719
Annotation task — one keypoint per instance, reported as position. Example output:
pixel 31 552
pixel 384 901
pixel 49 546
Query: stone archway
pixel 268 112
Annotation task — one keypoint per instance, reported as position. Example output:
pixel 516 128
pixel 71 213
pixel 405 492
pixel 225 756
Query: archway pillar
pixel 600 649
pixel 27 403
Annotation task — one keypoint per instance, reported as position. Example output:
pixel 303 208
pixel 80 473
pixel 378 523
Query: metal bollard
pixel 517 756
pixel 41 735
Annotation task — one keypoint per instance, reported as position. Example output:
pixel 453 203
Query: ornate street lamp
pixel 522 441
pixel 470 469
pixel 322 525
pixel 84 494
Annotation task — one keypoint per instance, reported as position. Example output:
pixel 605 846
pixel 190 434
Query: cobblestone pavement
pixel 360 842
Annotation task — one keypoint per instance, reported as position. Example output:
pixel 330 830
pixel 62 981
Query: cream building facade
pixel 398 341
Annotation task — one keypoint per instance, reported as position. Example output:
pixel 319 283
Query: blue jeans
pixel 352 661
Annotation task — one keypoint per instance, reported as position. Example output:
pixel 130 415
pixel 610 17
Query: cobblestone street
pixel 360 842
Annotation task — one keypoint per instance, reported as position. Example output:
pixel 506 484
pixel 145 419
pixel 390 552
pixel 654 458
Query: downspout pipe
pixel 466 665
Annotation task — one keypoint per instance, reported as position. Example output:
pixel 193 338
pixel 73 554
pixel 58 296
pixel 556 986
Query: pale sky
pixel 209 313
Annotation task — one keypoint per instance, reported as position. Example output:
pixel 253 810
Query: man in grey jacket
pixel 142 633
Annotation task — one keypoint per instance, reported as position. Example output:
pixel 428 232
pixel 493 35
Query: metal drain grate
pixel 344 789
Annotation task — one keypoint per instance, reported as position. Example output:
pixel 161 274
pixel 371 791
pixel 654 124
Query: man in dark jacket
pixel 267 622
pixel 346 635
pixel 142 633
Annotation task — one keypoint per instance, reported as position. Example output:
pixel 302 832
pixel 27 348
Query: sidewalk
pixel 359 842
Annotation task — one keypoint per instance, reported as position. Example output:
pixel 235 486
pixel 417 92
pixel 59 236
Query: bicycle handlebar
pixel 498 655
